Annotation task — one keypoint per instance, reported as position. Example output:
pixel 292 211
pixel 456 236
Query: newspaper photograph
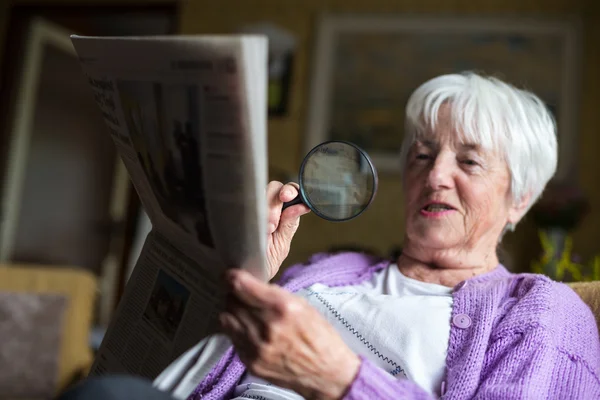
pixel 188 116
pixel 168 149
pixel 168 308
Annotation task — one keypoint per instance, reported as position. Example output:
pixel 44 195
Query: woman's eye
pixel 469 162
pixel 422 156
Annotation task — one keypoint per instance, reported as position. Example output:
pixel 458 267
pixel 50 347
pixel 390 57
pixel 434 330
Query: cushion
pixel 30 337
pixel 590 294
pixel 80 289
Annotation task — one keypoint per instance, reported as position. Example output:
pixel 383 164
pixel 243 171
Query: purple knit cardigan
pixel 512 336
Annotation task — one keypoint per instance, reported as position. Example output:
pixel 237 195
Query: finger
pixel 289 191
pixel 232 327
pixel 288 221
pixel 229 324
pixel 254 292
pixel 274 205
pixel 291 214
pixel 243 350
pixel 273 190
pixel 253 325
pixel 234 303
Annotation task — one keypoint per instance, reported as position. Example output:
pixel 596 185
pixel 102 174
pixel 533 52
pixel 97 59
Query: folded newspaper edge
pixel 188 116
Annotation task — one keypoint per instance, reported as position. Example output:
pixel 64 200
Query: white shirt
pixel 400 324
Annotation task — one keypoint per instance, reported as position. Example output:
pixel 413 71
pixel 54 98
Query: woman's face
pixel 457 194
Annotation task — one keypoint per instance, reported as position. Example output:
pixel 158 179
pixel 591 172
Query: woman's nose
pixel 441 174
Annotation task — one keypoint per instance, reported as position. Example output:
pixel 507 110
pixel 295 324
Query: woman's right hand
pixel 281 226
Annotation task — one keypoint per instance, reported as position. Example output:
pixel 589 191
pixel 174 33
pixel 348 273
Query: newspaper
pixel 188 115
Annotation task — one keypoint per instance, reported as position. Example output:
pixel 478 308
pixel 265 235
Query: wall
pixel 69 176
pixel 381 227
pixel 4 12
pixel 112 16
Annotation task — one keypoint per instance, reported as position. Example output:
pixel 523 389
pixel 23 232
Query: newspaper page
pixel 188 117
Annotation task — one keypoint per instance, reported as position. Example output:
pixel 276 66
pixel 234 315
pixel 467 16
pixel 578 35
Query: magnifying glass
pixel 337 181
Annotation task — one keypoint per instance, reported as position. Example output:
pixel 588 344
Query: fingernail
pixel 287 193
pixel 234 279
pixel 271 228
pixel 224 320
pixel 230 274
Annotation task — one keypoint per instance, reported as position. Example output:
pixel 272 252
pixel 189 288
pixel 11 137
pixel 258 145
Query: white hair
pixel 494 115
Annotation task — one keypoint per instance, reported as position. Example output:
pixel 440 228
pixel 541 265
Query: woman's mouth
pixel 436 210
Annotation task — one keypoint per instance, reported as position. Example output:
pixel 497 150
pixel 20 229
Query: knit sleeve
pixel 528 365
pixel 373 383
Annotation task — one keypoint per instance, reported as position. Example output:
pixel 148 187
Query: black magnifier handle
pixel 297 200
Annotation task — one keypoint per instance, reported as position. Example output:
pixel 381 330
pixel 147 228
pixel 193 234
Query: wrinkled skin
pixel 278 335
pixel 472 180
pixel 284 340
pixel 281 226
pixel 281 338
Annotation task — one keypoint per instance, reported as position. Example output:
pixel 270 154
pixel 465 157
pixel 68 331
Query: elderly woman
pixel 445 318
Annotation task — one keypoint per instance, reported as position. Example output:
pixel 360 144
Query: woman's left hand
pixel 284 340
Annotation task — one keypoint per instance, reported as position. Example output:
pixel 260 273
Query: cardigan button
pixel 460 286
pixel 462 321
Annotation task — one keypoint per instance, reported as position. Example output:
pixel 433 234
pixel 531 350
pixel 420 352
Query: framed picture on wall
pixel 282 46
pixel 366 67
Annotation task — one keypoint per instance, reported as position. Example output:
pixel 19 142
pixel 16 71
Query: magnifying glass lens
pixel 337 181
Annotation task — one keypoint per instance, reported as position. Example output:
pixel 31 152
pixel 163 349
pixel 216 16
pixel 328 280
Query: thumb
pixel 290 220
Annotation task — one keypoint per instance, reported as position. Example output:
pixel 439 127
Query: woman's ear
pixel 518 209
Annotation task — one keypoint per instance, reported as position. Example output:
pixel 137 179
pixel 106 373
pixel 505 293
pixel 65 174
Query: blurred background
pixel 71 223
